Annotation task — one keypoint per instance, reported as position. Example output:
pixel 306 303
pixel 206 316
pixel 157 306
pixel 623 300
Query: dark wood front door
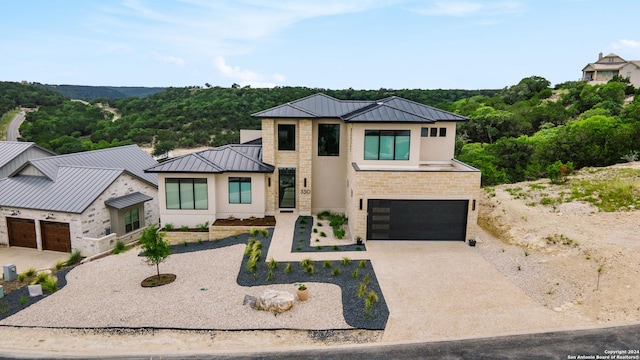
pixel 22 232
pixel 55 236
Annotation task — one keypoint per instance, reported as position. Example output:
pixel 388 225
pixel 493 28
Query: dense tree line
pixel 14 94
pixel 91 93
pixel 518 134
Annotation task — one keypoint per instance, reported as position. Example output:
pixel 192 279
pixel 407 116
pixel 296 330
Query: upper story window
pixel 433 132
pixel 387 144
pixel 328 139
pixel 186 193
pixel 239 190
pixel 286 137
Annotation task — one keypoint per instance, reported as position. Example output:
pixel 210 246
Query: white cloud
pixel 471 8
pixel 624 44
pixel 169 59
pixel 246 77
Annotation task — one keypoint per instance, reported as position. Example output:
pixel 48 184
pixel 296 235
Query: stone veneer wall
pixel 215 232
pixel 424 185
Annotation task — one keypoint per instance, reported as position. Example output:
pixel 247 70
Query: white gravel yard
pixel 205 295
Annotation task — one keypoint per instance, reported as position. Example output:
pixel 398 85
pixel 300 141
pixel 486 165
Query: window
pixel 628 74
pixel 239 190
pixel 131 220
pixel 286 137
pixel 386 144
pixel 424 132
pixel 443 132
pixel 186 193
pixel 434 132
pixel 328 139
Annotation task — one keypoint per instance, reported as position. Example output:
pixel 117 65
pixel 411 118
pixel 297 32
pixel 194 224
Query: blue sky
pixel 360 44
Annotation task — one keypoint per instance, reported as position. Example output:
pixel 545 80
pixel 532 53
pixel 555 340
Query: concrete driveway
pixel 24 258
pixel 446 290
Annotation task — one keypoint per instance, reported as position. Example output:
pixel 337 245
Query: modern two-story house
pixel 387 164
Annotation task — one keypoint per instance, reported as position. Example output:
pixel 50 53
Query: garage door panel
pixel 417 219
pixel 56 236
pixel 22 232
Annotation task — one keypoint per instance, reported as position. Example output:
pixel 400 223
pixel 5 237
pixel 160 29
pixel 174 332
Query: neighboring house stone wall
pixel 20 160
pixel 74 221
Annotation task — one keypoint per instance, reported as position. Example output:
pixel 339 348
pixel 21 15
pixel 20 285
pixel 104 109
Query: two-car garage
pixel 55 235
pixel 417 219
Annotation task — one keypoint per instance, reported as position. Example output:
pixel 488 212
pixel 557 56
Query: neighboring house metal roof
pixel 392 109
pixel 9 150
pixel 122 202
pixel 227 158
pixel 130 158
pixel 73 190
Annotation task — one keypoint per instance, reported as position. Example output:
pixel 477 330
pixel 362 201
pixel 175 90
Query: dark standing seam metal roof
pixel 130 158
pixel 127 200
pixel 74 189
pixel 9 150
pixel 227 158
pixel 392 109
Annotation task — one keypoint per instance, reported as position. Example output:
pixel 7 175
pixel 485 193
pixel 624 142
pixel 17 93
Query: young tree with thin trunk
pixel 156 250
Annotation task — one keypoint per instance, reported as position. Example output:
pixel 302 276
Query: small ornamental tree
pixel 156 250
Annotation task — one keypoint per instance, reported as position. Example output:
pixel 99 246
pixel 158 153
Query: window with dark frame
pixel 328 139
pixel 239 190
pixel 132 220
pixel 387 144
pixel 424 132
pixel 186 194
pixel 434 132
pixel 286 137
pixel 443 132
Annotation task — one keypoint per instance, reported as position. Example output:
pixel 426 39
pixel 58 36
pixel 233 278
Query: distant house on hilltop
pixel 609 66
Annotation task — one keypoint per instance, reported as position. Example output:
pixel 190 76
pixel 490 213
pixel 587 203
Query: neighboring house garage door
pixel 55 236
pixel 417 219
pixel 22 232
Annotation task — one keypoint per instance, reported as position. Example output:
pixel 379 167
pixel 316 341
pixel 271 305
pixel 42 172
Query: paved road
pixel 14 126
pixel 575 344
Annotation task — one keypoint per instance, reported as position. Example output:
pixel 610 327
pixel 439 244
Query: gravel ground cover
pixel 107 294
pixel 302 238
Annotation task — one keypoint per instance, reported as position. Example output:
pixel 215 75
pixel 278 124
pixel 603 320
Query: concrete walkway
pixel 436 290
pixel 24 258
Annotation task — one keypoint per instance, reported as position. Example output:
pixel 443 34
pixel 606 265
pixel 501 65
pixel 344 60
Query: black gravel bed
pixel 303 232
pixel 352 306
pixel 10 303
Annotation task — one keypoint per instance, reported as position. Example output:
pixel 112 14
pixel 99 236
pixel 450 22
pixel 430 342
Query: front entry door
pixel 287 188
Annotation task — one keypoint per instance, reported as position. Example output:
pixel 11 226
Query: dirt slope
pixel 569 256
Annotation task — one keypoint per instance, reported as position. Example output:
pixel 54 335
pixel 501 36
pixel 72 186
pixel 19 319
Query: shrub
pixel 185 243
pixel 323 234
pixel 287 269
pixel 366 279
pixel 370 300
pixel 339 233
pixel 264 232
pixel 203 227
pixel 362 264
pixel 303 220
pixel 345 261
pixel 326 264
pixel 315 230
pixel 336 271
pixel 31 272
pixel 168 227
pixel 199 241
pixel 558 171
pixel 42 277
pixel 50 284
pixel 362 289
pixel 335 247
pixel 22 277
pixel 270 275
pixel 184 228
pixel 119 247
pixel 254 232
pixel 60 264
pixel 23 300
pixel 355 274
pixel 273 264
pixel 74 258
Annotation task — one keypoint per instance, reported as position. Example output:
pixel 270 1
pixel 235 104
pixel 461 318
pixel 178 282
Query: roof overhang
pixel 125 201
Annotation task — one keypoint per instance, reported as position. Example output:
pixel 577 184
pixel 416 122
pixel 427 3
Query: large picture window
pixel 132 220
pixel 286 137
pixel 239 190
pixel 387 144
pixel 328 139
pixel 186 194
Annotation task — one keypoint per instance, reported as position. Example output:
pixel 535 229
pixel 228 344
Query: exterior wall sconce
pixel 305 182
pixel 49 216
pixel 473 206
pixel 360 204
pixel 269 182
pixel 15 212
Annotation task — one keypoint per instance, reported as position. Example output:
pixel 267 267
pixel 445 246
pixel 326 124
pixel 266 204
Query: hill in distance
pixel 90 93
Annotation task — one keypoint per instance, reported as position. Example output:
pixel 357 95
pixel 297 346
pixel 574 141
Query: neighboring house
pixel 387 164
pixel 603 70
pixel 85 201
pixel 14 154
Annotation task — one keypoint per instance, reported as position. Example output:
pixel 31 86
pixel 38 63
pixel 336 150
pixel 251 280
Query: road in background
pixel 14 126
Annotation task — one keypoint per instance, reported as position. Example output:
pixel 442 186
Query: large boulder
pixel 276 301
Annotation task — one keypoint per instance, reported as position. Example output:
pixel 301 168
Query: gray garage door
pixel 417 219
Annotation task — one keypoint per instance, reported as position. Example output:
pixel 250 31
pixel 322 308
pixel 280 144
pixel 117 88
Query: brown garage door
pixel 22 232
pixel 55 236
